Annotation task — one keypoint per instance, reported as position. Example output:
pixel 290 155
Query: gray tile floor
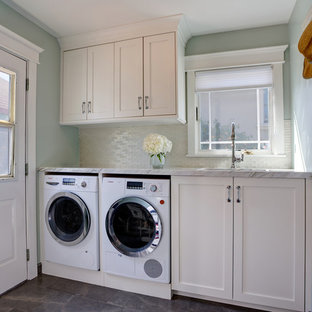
pixel 53 294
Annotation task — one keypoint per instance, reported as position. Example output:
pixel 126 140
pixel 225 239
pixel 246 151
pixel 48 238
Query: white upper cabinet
pixel 88 84
pixel 74 85
pixel 132 73
pixel 159 75
pixel 129 78
pixel 100 82
pixel 155 69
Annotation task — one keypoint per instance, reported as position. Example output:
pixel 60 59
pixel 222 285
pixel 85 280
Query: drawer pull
pixel 229 193
pixel 238 188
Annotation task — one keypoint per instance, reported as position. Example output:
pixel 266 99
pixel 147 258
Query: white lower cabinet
pixel 202 227
pixel 261 222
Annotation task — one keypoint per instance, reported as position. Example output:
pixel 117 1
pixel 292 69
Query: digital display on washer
pixel 134 185
pixel 69 181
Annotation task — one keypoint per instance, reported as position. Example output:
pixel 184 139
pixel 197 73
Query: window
pixel 239 95
pixel 7 103
pixel 244 87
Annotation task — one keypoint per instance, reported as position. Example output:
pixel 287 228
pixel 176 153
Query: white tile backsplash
pixel 121 147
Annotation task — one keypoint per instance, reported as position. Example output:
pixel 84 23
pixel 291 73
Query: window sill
pixel 229 155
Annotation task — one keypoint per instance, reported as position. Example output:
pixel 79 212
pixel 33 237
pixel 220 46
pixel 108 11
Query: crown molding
pixel 173 23
pixel 30 17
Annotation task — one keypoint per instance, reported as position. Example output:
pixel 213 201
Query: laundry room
pixel 155 155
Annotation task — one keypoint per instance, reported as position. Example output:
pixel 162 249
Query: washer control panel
pixel 69 181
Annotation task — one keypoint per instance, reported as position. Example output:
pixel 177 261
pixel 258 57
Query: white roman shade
pixel 234 78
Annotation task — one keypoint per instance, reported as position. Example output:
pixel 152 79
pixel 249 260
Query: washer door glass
pixel 133 226
pixel 67 218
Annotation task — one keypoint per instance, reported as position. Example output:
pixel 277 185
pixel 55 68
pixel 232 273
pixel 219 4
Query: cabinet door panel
pixel 269 242
pixel 202 223
pixel 159 75
pixel 101 82
pixel 129 78
pixel 74 104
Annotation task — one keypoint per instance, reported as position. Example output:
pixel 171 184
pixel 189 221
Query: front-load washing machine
pixel 136 228
pixel 70 211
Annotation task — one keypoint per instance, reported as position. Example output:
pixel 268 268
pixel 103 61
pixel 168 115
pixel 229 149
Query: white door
pixel 202 232
pixel 269 231
pixel 159 75
pixel 74 103
pixel 12 171
pixel 129 78
pixel 101 82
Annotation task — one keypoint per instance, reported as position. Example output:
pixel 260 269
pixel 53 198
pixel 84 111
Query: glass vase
pixel 158 161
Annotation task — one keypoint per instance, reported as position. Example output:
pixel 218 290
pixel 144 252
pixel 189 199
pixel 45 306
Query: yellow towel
pixel 307 69
pixel 305 42
pixel 305 47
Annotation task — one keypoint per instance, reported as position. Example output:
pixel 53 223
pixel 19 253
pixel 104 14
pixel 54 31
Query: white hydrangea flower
pixel 155 144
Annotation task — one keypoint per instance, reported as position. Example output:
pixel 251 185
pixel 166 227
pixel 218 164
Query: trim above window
pixel 273 56
pixel 239 58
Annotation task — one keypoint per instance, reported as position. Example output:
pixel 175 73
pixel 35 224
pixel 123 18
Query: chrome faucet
pixel 234 158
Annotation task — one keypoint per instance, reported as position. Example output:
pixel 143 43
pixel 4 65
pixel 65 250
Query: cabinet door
pixel 159 75
pixel 74 106
pixel 202 224
pixel 269 242
pixel 129 78
pixel 101 82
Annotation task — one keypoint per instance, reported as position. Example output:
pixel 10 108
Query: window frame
pixel 273 56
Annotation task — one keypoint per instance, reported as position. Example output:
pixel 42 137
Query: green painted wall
pixel 56 145
pixel 301 90
pixel 246 39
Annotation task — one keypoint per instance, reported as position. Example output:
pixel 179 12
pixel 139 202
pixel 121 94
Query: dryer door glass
pixel 133 226
pixel 68 218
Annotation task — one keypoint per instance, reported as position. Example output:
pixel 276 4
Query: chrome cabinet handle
pixel 146 100
pixel 83 107
pixel 139 102
pixel 89 106
pixel 229 193
pixel 238 188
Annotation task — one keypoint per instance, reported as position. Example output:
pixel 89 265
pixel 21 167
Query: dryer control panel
pixel 134 185
pixel 71 182
pixel 150 187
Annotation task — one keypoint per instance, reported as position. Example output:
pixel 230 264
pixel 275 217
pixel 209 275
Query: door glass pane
pixel 133 225
pixel 66 219
pixel 5 151
pixel 6 83
pixel 7 106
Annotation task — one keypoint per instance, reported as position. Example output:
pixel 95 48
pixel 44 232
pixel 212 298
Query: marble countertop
pixel 206 172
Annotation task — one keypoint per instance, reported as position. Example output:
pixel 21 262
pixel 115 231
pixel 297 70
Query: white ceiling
pixel 70 17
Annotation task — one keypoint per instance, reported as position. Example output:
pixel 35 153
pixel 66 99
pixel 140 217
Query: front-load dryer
pixel 136 228
pixel 70 212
